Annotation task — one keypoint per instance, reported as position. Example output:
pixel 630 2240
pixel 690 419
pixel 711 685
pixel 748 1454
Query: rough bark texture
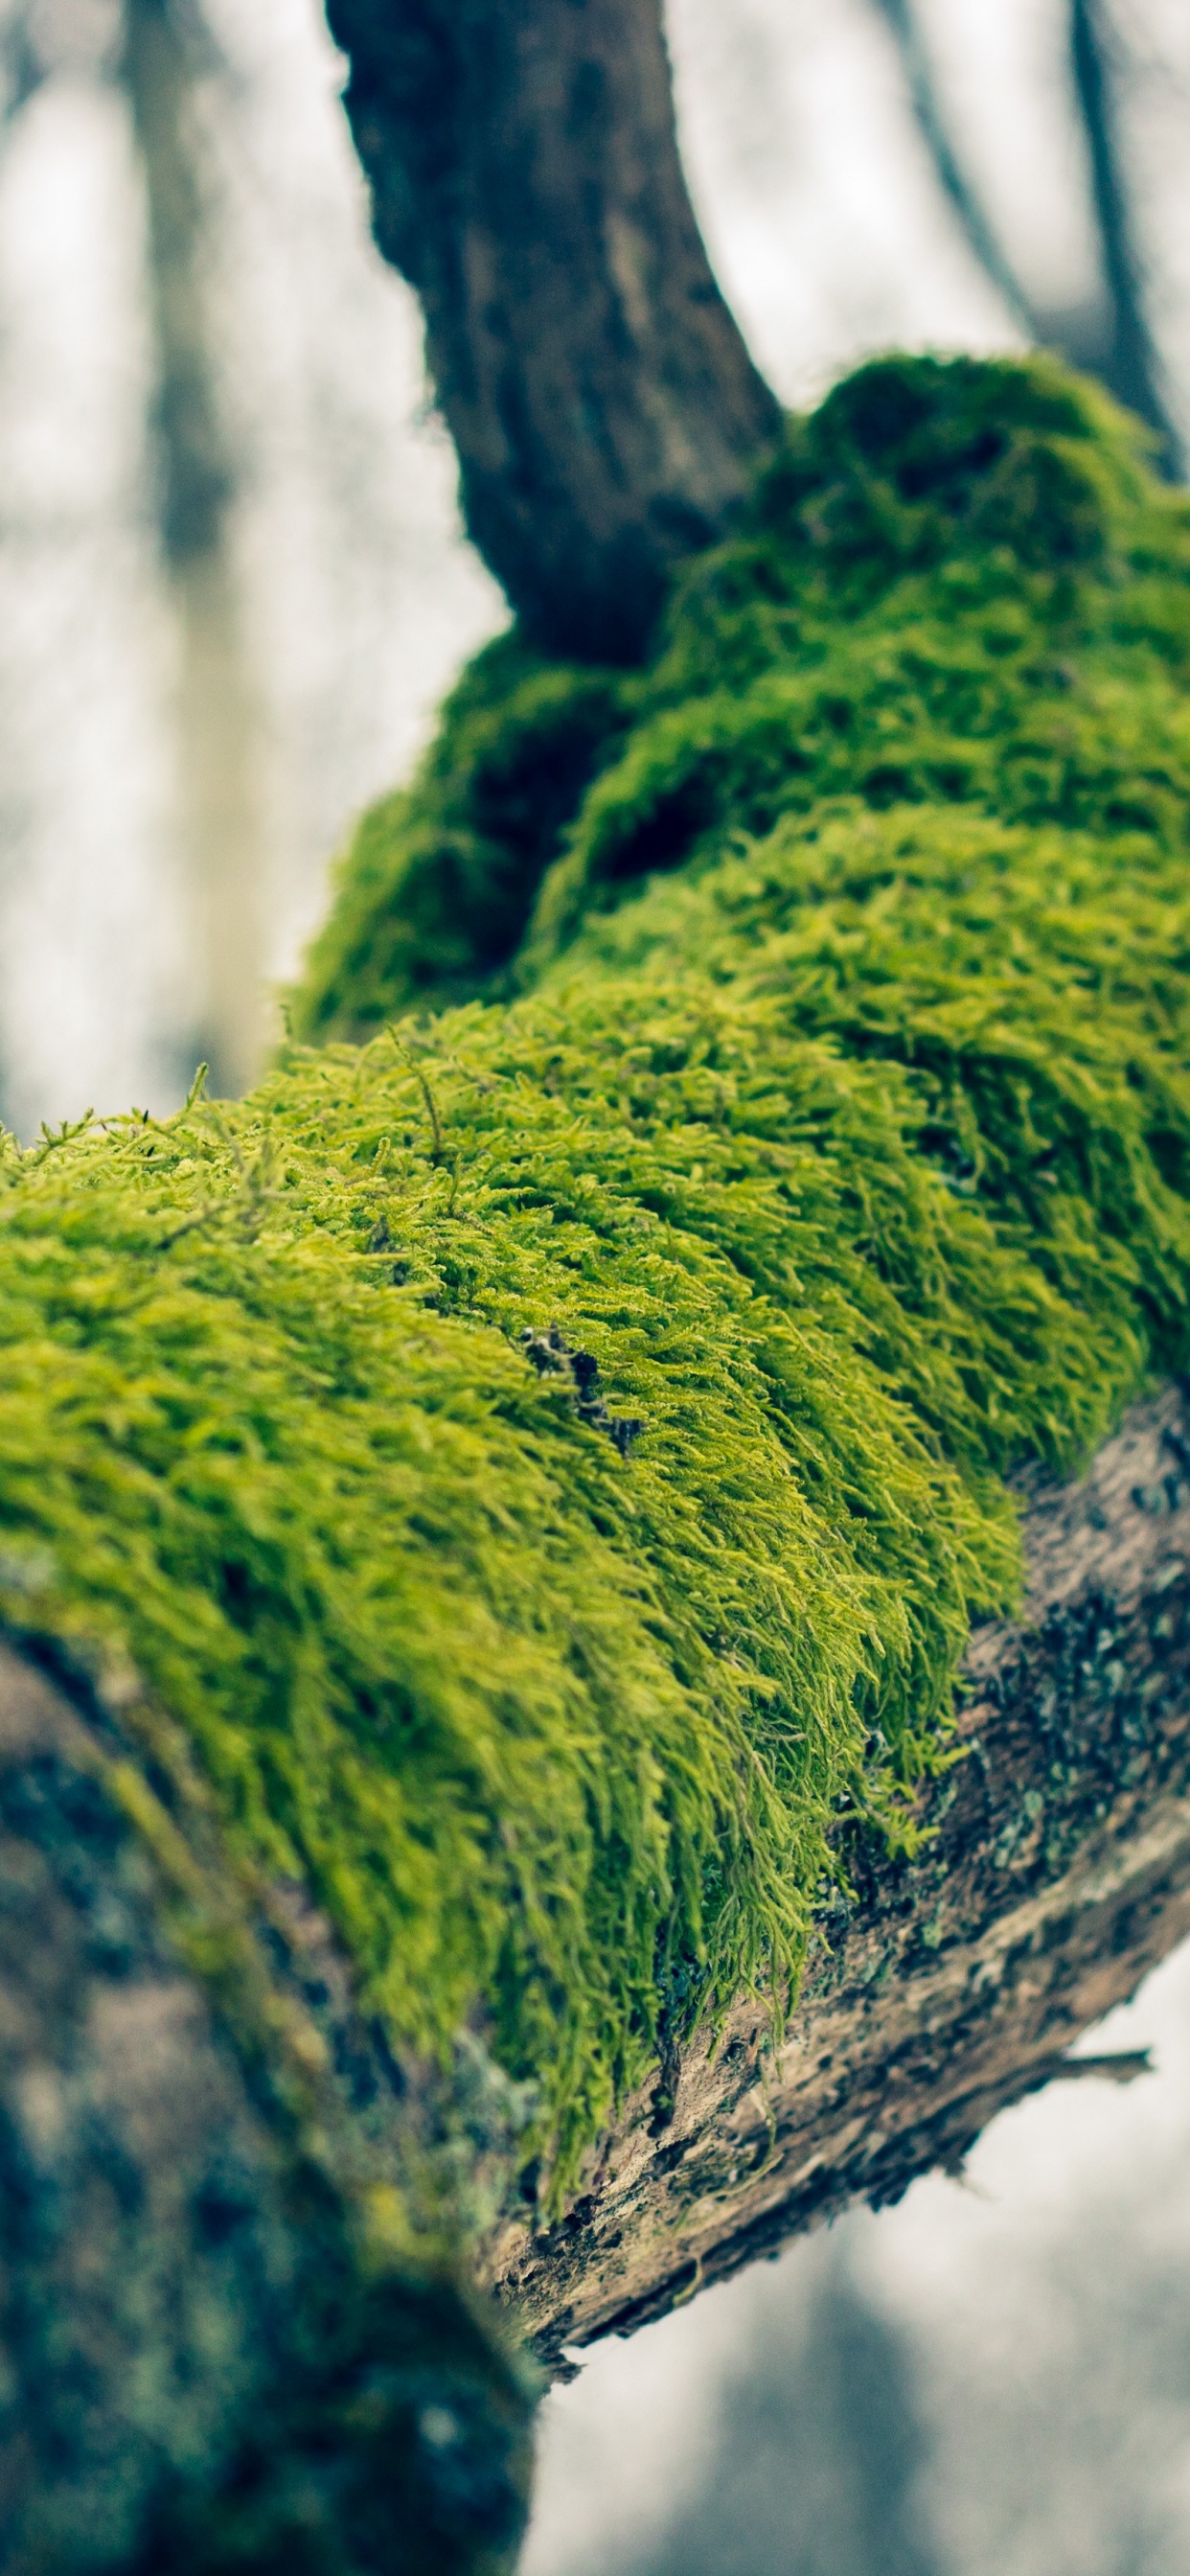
pixel 197 2368
pixel 525 178
pixel 194 2367
pixel 1058 1874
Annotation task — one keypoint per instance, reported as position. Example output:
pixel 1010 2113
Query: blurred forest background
pixel 232 590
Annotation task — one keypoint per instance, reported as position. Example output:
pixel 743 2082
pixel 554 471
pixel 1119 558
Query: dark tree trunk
pixel 525 178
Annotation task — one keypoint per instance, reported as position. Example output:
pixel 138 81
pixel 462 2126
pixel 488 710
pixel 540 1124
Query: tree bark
pixel 203 2362
pixel 181 2312
pixel 1058 1873
pixel 525 177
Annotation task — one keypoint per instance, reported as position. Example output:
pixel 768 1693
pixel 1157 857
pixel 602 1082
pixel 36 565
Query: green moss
pixel 957 584
pixel 436 889
pixel 855 1154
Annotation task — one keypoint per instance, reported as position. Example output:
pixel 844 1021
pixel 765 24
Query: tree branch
pixel 525 178
pixel 1058 1873
pixel 164 2237
pixel 1127 362
pixel 975 222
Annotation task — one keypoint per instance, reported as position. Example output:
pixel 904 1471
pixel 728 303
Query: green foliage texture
pixel 797 1025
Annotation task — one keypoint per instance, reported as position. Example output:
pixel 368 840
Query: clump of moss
pixel 853 1156
pixel 435 892
pixel 957 584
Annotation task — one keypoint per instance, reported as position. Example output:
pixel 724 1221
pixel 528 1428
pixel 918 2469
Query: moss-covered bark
pixel 526 1481
pixel 851 1158
pixel 1053 1874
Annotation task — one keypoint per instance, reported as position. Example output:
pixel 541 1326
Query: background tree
pixel 164 58
pixel 1115 341
pixel 166 55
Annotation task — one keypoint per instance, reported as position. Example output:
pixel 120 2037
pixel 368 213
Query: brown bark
pixel 183 2330
pixel 1059 1873
pixel 525 177
pixel 202 2366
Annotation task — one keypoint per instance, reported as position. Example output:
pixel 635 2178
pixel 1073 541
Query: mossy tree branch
pixel 1055 1875
pixel 161 2208
pixel 850 1165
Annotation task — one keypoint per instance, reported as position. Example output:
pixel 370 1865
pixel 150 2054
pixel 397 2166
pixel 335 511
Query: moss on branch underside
pixel 789 1042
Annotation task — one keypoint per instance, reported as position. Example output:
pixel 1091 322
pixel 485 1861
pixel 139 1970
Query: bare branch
pixel 1127 362
pixel 22 68
pixel 525 178
pixel 977 226
pixel 1131 368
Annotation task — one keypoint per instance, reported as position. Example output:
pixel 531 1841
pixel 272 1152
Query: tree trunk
pixel 187 2316
pixel 525 178
pixel 220 796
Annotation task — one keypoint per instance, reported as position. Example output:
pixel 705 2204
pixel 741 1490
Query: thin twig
pixel 1130 367
pixel 964 197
